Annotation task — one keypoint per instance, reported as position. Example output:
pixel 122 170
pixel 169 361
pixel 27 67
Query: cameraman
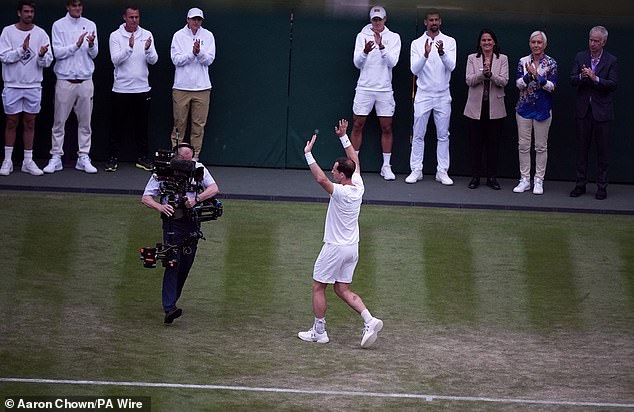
pixel 181 232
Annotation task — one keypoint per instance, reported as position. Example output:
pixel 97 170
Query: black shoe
pixel 493 183
pixel 111 165
pixel 172 314
pixel 474 183
pixel 578 191
pixel 145 164
pixel 601 194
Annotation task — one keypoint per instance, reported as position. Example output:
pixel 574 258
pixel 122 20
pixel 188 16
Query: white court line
pixel 321 392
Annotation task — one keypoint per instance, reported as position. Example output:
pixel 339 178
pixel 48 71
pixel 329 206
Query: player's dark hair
pixel 431 12
pixel 22 3
pixel 131 7
pixel 346 166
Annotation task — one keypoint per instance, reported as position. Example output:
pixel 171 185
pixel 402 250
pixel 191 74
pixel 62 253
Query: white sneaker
pixel 386 172
pixel 414 177
pixel 444 178
pixel 31 168
pixel 54 165
pixel 522 186
pixel 312 336
pixel 83 164
pixel 538 187
pixel 7 167
pixel 371 331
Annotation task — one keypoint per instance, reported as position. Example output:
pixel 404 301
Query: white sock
pixel 28 156
pixel 386 159
pixel 320 325
pixel 366 316
pixel 8 152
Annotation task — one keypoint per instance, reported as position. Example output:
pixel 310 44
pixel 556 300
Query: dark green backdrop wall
pixel 284 68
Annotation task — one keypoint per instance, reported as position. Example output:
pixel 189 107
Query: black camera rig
pixel 176 178
pixel 168 254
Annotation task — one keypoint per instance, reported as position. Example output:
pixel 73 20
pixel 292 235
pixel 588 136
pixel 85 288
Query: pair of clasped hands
pixel 369 45
pixel 26 44
pixel 486 68
pixel 532 70
pixel 90 37
pixel 148 42
pixel 587 73
pixel 439 45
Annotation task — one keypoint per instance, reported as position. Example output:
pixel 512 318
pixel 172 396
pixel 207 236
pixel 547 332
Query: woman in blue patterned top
pixel 536 79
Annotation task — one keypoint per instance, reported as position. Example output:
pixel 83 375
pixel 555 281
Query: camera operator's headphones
pixel 187 145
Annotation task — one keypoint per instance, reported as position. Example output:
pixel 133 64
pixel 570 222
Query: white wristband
pixel 309 158
pixel 345 142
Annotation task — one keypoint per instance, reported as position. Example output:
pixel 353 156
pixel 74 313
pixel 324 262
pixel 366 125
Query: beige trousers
pixel 185 102
pixel 525 129
pixel 78 98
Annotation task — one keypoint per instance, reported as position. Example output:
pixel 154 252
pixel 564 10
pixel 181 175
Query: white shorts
pixel 16 100
pixel 336 263
pixel 365 100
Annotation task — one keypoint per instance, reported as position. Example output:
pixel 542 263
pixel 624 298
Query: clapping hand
pixel 427 47
pixel 440 46
pixel 486 71
pixel 532 70
pixel 81 39
pixel 43 50
pixel 369 45
pixel 27 41
pixel 378 40
pixel 91 39
pixel 587 73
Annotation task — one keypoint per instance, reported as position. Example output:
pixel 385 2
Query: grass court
pixel 483 310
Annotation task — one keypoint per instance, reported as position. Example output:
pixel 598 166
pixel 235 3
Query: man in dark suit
pixel 595 74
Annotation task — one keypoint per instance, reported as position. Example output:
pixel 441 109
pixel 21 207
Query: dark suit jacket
pixel 599 95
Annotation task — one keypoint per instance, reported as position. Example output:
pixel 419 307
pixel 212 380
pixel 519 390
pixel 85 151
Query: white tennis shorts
pixel 17 100
pixel 336 263
pixel 365 100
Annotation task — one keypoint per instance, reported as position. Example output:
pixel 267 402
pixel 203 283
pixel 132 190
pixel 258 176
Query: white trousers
pixel 77 97
pixel 423 106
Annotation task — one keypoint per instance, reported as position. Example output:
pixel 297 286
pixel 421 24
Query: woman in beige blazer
pixel 486 75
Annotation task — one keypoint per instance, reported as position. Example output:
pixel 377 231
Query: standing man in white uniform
pixel 340 252
pixel 433 58
pixel 193 51
pixel 376 52
pixel 74 47
pixel 131 51
pixel 24 52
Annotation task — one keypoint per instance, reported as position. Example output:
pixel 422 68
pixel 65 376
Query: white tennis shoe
pixel 312 336
pixel 386 172
pixel 370 332
pixel 29 166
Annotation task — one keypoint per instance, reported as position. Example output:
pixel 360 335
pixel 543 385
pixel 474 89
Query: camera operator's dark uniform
pixel 181 231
